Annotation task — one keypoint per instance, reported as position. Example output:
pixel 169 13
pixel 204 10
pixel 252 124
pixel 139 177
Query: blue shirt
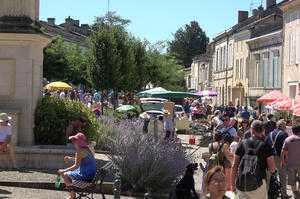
pixel 231 130
pixel 187 108
pixel 168 124
pixel 245 114
pixel 97 97
pixel 279 141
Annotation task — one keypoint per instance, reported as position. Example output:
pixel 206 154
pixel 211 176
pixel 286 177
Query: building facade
pixel 291 48
pixel 201 70
pixel 223 66
pixel 265 52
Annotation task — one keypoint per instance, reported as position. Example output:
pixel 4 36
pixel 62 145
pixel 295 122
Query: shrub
pixel 53 115
pixel 146 164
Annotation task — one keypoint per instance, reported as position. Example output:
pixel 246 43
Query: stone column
pixel 21 62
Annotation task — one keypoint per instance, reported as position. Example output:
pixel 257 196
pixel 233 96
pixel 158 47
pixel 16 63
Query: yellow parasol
pixel 58 85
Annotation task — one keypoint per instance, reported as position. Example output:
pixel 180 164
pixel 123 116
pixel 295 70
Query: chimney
pixel 51 21
pixel 76 23
pixel 69 23
pixel 85 29
pixel 270 3
pixel 243 15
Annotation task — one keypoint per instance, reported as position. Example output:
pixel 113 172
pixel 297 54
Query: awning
pixel 272 96
pixel 168 94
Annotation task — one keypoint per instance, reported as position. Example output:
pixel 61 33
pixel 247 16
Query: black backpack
pixel 249 170
pixel 217 157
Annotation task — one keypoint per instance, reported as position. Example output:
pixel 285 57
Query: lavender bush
pixel 106 132
pixel 146 164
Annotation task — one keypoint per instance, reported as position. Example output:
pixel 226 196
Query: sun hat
pixel 4 117
pixel 205 155
pixel 166 112
pixel 144 115
pixel 80 138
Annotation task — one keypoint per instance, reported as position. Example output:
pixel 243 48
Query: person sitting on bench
pixel 84 167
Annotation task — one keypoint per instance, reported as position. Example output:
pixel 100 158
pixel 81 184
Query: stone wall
pixel 29 8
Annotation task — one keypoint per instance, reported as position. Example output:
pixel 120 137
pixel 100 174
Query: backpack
pixel 274 142
pixel 216 157
pixel 249 171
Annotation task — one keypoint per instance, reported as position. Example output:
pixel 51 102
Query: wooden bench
pixel 87 189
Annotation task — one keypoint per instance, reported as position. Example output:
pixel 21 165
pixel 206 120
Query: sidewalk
pixel 25 193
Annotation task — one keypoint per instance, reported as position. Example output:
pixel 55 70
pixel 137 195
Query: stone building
pixel 21 65
pixel 223 66
pixel 240 59
pixel 70 31
pixel 291 48
pixel 265 53
pixel 201 70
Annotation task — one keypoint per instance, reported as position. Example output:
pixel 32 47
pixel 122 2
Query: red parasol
pixel 297 112
pixel 272 96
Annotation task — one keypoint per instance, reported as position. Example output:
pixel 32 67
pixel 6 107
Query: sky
pixel 154 20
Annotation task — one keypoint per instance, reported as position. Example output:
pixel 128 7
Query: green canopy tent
pixel 126 108
pixel 168 94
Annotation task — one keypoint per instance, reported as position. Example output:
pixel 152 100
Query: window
pixel 217 59
pixel 221 59
pixel 237 68
pixel 275 70
pixel 290 49
pixel 241 46
pixel 224 59
pixel 265 70
pixel 257 74
pixel 229 55
pixel 297 47
pixel 292 91
pixel 241 69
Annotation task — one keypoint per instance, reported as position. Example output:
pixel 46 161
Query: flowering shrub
pixel 146 164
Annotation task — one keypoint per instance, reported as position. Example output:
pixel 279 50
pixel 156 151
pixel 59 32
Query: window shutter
pixel 297 47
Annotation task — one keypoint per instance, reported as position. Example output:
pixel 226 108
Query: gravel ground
pixel 23 193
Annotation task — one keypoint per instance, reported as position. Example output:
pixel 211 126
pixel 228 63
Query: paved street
pixel 22 193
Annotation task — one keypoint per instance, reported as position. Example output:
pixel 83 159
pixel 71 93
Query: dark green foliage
pixel 53 115
pixel 64 61
pixel 188 42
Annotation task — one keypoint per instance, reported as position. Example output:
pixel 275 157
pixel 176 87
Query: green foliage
pixel 53 115
pixel 188 42
pixel 64 61
pixel 165 71
pixel 110 19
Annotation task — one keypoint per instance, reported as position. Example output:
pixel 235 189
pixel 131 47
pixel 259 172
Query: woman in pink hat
pixel 84 167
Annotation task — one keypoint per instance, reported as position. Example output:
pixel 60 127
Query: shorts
pixel 4 149
pixel 293 175
pixel 68 174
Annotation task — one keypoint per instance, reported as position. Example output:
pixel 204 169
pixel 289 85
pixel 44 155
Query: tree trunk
pixel 102 102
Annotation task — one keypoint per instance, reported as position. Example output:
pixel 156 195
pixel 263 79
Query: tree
pixel 111 59
pixel 110 19
pixel 188 42
pixel 64 61
pixel 165 71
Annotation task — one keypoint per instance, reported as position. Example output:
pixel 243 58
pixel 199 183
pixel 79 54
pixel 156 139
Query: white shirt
pixel 62 95
pixel 4 132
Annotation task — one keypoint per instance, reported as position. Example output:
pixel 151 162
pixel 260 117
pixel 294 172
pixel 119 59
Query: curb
pixel 107 188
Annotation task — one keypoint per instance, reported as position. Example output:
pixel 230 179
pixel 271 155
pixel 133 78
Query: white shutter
pixel 290 49
pixel 297 47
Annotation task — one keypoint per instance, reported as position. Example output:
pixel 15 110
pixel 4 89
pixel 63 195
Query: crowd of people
pixel 252 150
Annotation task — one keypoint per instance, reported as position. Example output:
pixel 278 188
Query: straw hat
pixel 166 112
pixel 4 117
pixel 144 115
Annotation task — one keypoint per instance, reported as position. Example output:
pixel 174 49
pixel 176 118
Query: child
pixel 84 167
pixel 5 138
pixel 205 157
